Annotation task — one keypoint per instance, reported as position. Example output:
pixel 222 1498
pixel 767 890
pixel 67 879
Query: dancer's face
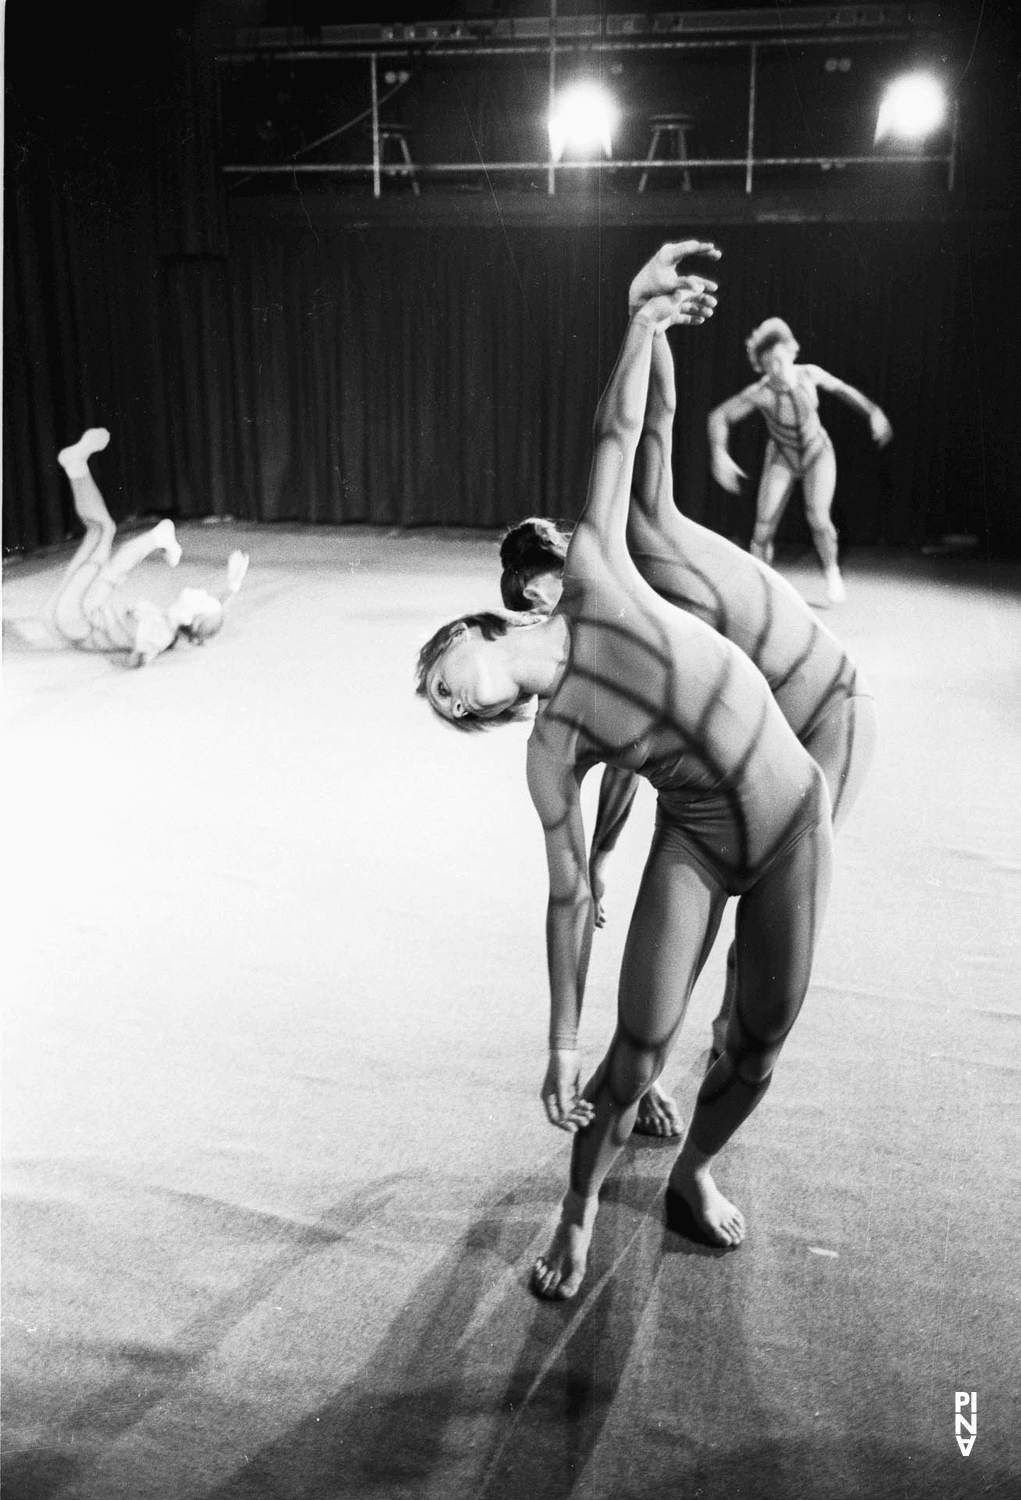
pixel 471 678
pixel 778 361
pixel 543 592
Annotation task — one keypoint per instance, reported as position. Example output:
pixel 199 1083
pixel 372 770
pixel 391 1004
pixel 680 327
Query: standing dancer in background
pixel 799 446
pixel 626 679
pixel 85 610
pixel 817 687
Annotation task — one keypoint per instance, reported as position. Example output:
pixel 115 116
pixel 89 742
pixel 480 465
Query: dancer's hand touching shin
pixel 561 1096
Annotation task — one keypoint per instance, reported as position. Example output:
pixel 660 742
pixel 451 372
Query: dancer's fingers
pixel 680 249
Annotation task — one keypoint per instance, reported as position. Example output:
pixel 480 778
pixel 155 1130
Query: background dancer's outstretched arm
pixel 879 426
pixel 720 420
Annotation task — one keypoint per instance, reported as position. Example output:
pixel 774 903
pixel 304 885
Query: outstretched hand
pixel 660 274
pixel 237 567
pixel 692 302
pixel 561 1097
pixel 880 428
pixel 726 472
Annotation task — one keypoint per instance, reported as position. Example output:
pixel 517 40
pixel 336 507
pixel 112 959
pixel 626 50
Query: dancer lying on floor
pixel 799 447
pixel 817 687
pixel 86 611
pixel 624 678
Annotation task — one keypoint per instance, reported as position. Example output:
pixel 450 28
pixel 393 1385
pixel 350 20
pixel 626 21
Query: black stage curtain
pixel 298 366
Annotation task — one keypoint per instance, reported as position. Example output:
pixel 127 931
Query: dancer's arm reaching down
pixel 721 419
pixel 880 428
pixel 616 796
pixel 555 792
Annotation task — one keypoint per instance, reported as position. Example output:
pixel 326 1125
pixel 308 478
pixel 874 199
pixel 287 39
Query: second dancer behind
pixel 818 688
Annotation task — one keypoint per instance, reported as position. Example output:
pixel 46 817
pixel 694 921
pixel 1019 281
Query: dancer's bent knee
pixel 633 1067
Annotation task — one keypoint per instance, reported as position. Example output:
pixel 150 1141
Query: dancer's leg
pixel 93 573
pixel 820 483
pixel 843 745
pixel 161 538
pixel 64 609
pixel 778 923
pixel 676 917
pixel 775 485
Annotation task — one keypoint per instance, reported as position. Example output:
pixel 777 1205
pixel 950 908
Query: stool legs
pixel 680 134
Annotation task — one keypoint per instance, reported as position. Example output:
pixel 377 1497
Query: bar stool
pixel 399 135
pixel 672 129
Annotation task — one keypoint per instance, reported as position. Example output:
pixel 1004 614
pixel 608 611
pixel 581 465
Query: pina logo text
pixel 962 1401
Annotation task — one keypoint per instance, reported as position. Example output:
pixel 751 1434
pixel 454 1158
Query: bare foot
pixel 835 591
pixel 166 537
pixel 558 1274
pixel 74 460
pixel 658 1114
pixel 660 274
pixel 714 1214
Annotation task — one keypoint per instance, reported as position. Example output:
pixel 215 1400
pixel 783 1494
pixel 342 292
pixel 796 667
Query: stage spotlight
pixel 582 121
pixel 912 107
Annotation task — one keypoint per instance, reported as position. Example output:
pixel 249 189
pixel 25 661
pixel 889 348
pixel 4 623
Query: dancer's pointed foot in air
pixel 74 460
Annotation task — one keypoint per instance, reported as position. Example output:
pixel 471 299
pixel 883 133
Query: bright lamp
pixel 582 121
pixel 912 107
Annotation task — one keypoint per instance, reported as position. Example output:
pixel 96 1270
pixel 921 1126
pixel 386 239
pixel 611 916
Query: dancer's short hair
pixel 531 548
pixel 768 334
pixel 491 626
pixel 203 627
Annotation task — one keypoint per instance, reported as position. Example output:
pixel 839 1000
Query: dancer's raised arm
pixel 657 276
pixel 620 415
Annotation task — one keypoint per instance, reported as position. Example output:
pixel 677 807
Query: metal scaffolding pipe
pixel 750 153
pixel 518 49
pixel 551 181
pixel 377 186
pixel 400 169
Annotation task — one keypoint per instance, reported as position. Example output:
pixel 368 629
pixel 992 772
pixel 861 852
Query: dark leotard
pixel 742 809
pixel 797 436
pixel 658 692
pixel 811 676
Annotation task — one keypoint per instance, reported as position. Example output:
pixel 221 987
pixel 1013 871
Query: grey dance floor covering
pixel 275 1162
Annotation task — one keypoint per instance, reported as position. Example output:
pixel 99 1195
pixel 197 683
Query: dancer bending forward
pixel 819 690
pixel 626 679
pixel 86 611
pixel 799 447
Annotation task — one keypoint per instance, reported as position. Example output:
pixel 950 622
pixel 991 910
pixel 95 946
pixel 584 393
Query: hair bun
pixel 531 541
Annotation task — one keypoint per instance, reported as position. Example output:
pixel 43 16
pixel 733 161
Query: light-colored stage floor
pixel 275 1162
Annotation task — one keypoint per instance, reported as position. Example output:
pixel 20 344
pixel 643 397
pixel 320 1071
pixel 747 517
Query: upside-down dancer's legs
pixel 775 485
pixel 64 608
pixel 842 745
pixel 819 484
pixel 676 918
pixel 778 922
pixel 93 573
